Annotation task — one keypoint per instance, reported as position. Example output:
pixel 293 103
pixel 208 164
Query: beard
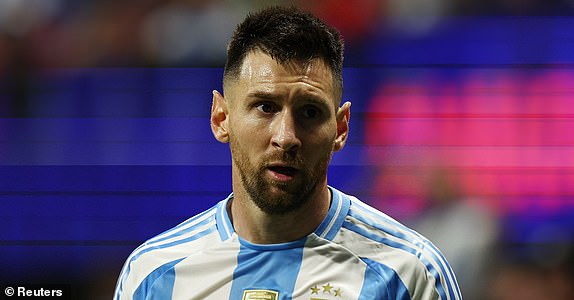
pixel 272 196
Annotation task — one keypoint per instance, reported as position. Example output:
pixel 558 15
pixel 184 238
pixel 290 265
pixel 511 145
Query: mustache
pixel 288 158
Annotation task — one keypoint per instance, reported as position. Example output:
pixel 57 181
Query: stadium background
pixel 462 126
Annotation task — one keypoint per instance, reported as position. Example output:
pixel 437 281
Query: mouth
pixel 283 172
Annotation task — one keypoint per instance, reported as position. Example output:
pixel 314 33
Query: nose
pixel 284 130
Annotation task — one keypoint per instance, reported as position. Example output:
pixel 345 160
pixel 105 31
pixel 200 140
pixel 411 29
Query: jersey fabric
pixel 356 253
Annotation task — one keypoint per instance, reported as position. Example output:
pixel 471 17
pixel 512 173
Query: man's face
pixel 282 128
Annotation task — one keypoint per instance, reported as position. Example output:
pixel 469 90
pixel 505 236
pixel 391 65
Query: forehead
pixel 261 71
pixel 258 60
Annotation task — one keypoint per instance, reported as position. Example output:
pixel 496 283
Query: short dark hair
pixel 286 34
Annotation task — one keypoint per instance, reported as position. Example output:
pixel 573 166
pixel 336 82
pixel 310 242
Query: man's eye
pixel 310 112
pixel 267 108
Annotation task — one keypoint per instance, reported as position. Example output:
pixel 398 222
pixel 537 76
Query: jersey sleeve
pixel 126 283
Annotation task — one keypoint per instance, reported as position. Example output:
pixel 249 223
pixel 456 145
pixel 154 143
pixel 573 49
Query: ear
pixel 219 118
pixel 343 116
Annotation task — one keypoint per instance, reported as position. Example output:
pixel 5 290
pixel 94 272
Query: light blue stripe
pixel 189 239
pixel 441 261
pixel 178 227
pixel 378 275
pixel 168 234
pixel 320 231
pixel 224 226
pixel 276 269
pixel 340 218
pixel 338 198
pixel 182 232
pixel 403 247
pixel 158 284
pixel 177 231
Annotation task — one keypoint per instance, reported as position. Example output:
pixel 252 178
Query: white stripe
pixel 394 258
pixel 150 261
pixel 335 216
pixel 223 208
pixel 325 262
pixel 171 235
pixel 207 272
pixel 440 261
pixel 191 221
pixel 189 233
pixel 439 257
pixel 124 274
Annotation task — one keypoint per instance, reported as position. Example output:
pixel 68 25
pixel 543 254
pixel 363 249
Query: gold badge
pixel 260 295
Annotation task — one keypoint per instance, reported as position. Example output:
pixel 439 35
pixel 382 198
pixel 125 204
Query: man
pixel 284 233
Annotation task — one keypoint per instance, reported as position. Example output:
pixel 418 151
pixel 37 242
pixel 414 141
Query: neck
pixel 259 227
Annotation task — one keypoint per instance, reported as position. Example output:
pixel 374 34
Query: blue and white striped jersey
pixel 356 253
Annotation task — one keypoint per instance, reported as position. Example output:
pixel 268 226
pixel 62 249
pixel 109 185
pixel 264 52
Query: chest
pixel 247 274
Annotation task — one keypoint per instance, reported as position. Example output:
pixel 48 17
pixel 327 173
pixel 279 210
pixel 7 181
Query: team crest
pixel 260 295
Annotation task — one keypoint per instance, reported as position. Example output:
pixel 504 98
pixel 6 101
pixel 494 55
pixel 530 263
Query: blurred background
pixel 462 127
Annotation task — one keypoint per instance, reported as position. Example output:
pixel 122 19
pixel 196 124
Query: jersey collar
pixel 328 228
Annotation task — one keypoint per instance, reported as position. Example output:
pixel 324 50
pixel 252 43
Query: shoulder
pixel 162 252
pixel 397 254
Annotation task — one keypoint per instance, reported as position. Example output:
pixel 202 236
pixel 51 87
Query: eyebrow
pixel 262 95
pixel 271 96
